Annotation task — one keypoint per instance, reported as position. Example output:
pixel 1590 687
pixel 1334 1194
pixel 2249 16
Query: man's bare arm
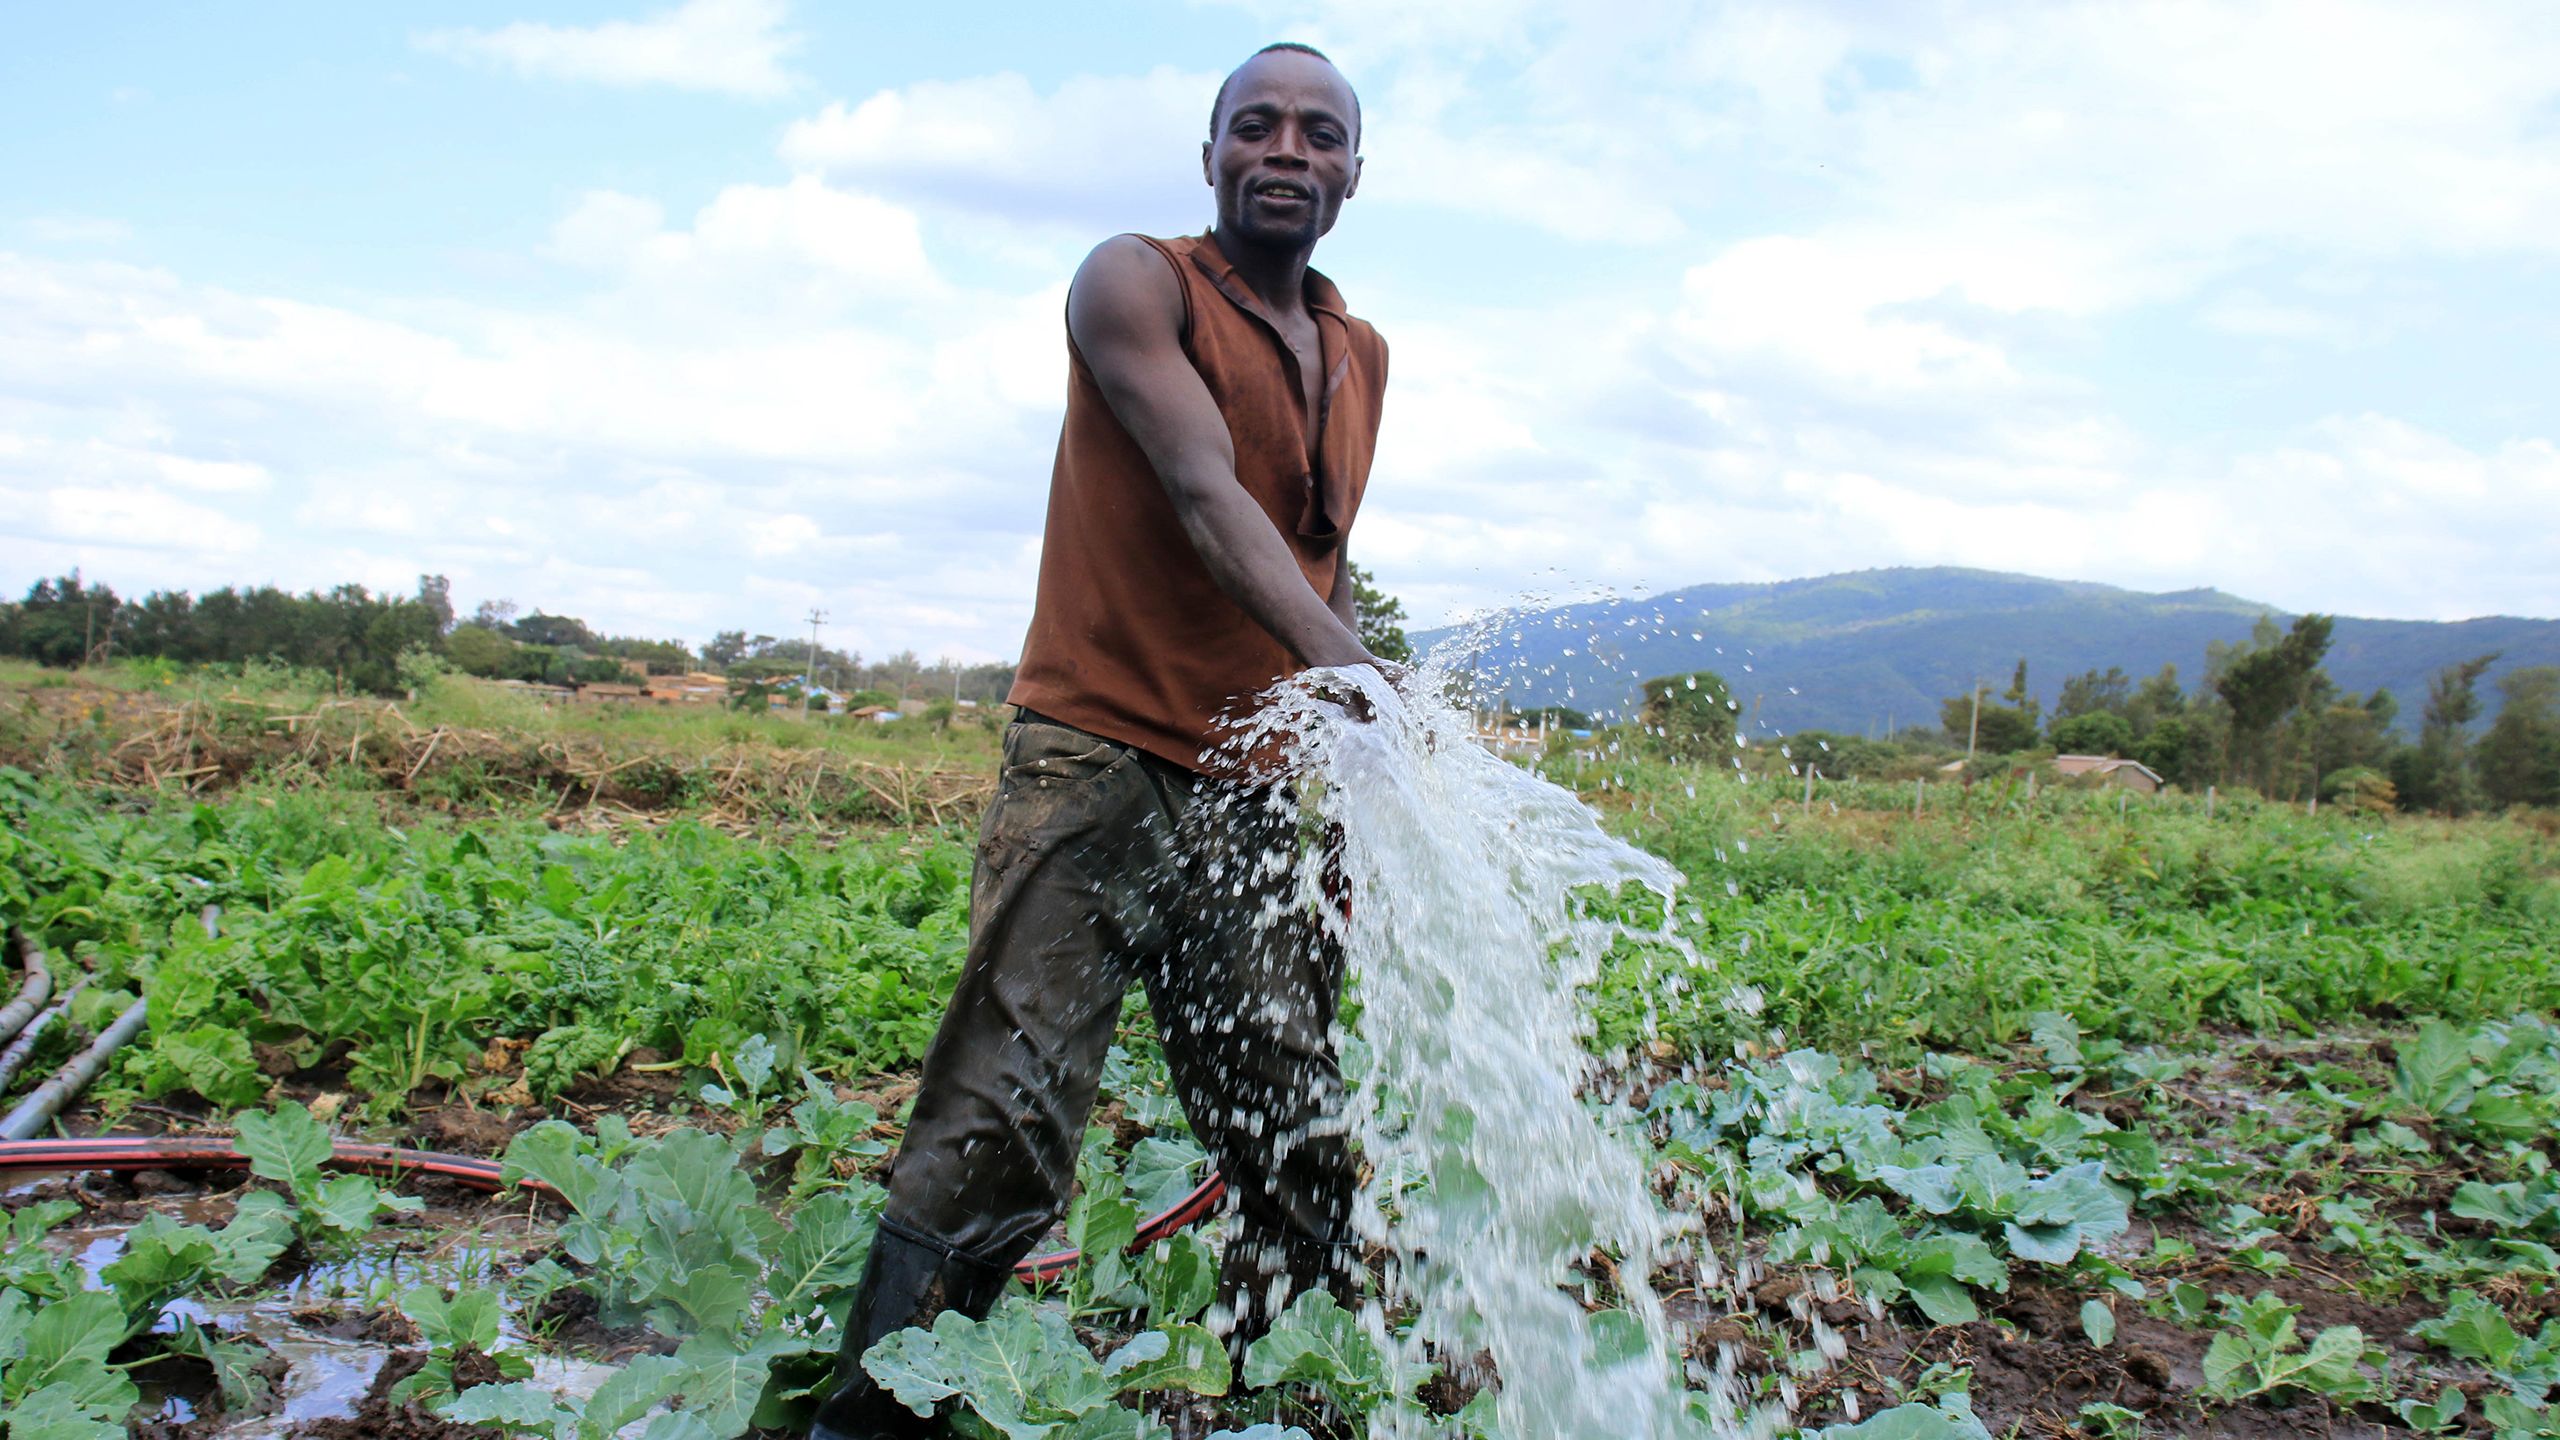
pixel 1125 316
pixel 1345 599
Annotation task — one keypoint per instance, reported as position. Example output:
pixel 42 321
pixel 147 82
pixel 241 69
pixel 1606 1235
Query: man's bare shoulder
pixel 1125 283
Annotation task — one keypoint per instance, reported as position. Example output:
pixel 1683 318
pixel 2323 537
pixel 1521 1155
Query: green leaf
pixel 2098 1323
pixel 86 1326
pixel 1163 1170
pixel 56 1412
pixel 1111 1422
pixel 1180 1275
pixel 1911 1422
pixel 1182 1357
pixel 1942 1299
pixel 2514 1419
pixel 2474 1329
pixel 260 1229
pixel 214 1061
pixel 1020 1370
pixel 2065 1211
pixel 14 1308
pixel 2328 1365
pixel 679 1425
pixel 627 1394
pixel 554 1153
pixel 2431 1416
pixel 285 1145
pixel 2433 1070
pixel 1316 1342
pixel 830 1239
pixel 520 1406
pixel 2058 1036
pixel 233 1363
pixel 345 1206
pixel 468 1321
pixel 721 1383
pixel 1930 1187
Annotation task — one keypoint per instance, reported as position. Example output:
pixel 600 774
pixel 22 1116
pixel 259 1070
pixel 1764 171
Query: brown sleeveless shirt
pixel 1130 637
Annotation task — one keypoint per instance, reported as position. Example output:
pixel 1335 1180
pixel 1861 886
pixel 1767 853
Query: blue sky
pixel 683 317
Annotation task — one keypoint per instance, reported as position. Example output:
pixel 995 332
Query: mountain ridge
pixel 1862 650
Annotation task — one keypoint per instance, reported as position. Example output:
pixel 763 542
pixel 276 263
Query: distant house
pixel 878 714
pixel 697 688
pixel 607 691
pixel 2130 774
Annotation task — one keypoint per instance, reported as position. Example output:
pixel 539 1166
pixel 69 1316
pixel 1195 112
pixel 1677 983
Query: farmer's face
pixel 1284 156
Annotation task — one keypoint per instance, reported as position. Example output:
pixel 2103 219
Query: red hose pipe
pixel 202 1152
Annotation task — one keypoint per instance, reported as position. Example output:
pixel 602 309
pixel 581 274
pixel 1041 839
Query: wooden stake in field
pixel 1919 788
pixel 2208 802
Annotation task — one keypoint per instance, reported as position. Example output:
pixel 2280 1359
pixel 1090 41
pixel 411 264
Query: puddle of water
pixel 326 1376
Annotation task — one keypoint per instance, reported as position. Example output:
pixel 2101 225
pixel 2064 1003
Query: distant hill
pixel 1849 652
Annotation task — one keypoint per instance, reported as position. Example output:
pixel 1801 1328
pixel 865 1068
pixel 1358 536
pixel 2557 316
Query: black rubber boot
pixel 910 1278
pixel 1262 1275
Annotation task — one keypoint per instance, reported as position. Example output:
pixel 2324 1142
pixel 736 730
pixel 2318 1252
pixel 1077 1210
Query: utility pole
pixel 809 670
pixel 1973 731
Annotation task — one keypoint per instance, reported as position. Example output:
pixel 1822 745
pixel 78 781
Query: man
pixel 1221 414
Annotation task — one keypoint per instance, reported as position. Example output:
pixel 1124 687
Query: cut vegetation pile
pixel 597 772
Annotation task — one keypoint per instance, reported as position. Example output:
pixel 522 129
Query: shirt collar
pixel 1321 295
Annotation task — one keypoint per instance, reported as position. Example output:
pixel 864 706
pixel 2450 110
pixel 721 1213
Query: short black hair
pixel 1219 105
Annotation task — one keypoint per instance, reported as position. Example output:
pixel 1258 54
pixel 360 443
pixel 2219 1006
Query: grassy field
pixel 2030 1113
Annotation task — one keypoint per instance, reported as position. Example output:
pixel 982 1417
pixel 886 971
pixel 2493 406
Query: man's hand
pixel 1353 700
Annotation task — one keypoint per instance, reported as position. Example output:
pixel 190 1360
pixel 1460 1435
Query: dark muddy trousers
pixel 1099 865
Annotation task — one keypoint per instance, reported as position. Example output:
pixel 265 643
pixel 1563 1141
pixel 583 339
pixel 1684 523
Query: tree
pixel 476 649
pixel 2096 732
pixel 1381 618
pixel 65 621
pixel 2158 698
pixel 2171 751
pixel 1692 714
pixel 661 657
pixel 436 593
pixel 562 630
pixel 2093 694
pixel 2348 733
pixel 728 648
pixel 2520 756
pixel 2264 683
pixel 495 615
pixel 2004 726
pixel 2435 774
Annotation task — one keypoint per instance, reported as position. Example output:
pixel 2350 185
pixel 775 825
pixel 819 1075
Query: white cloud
pixel 732 47
pixel 76 230
pixel 137 517
pixel 1101 153
pixel 1122 152
pixel 803 240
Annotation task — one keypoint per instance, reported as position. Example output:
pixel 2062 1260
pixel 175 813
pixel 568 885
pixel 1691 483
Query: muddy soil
pixel 377 1418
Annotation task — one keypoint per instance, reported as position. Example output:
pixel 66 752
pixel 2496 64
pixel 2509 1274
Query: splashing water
pixel 1494 1179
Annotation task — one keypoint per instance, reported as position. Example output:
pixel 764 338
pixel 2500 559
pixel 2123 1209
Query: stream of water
pixel 1502 1185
